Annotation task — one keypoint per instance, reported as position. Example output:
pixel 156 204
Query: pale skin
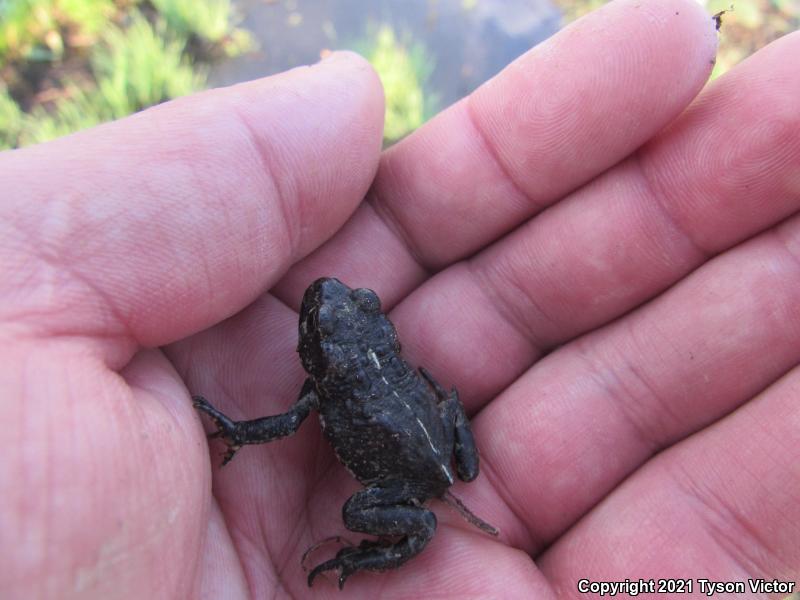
pixel 572 207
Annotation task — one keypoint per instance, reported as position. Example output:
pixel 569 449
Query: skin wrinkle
pixel 319 475
pixel 665 410
pixel 228 218
pixel 242 542
pixel 46 533
pixel 648 442
pixel 659 243
pixel 46 254
pixel 659 198
pixel 100 293
pixel 493 154
pixel 505 309
pixel 260 147
pixel 208 288
pixel 699 500
pixel 386 213
pixel 291 548
pixel 500 489
pixel 410 182
pixel 275 567
pixel 783 242
pixel 390 222
pixel 786 320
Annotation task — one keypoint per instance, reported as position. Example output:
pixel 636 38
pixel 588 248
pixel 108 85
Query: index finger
pixel 559 115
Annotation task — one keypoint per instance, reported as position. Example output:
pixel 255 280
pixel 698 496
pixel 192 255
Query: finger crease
pixel 262 151
pixel 613 386
pixel 659 197
pixel 743 543
pixel 782 238
pixel 100 293
pixel 508 311
pixel 508 498
pixel 388 217
pixel 492 153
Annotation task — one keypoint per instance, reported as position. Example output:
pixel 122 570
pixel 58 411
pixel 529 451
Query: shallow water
pixel 467 40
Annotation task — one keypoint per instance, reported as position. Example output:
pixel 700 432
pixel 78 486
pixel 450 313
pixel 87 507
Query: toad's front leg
pixel 388 512
pixel 236 434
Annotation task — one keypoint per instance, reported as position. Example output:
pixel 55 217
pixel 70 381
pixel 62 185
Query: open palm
pixel 609 280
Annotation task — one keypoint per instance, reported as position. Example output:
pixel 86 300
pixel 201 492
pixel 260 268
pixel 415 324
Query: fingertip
pixel 361 69
pixel 335 108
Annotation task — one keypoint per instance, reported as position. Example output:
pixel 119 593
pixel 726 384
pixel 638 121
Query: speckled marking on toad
pixel 420 423
pixel 374 358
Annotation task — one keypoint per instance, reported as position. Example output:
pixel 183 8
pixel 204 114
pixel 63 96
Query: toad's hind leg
pixel 386 512
pixel 456 425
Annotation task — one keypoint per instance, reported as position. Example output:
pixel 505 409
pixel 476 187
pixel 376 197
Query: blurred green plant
pixel 213 21
pixel 10 119
pixel 142 65
pixel 209 20
pixel 109 59
pixel 76 110
pixel 135 67
pixel 575 9
pixel 36 29
pixel 404 67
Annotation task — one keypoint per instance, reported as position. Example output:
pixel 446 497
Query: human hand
pixel 533 217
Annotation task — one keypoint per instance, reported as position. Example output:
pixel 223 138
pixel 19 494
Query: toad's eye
pixel 367 300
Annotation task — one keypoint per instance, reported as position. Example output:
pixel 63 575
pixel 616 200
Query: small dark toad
pixel 393 427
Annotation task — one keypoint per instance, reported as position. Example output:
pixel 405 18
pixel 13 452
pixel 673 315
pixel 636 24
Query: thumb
pixel 147 229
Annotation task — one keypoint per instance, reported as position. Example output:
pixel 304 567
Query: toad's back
pixel 385 424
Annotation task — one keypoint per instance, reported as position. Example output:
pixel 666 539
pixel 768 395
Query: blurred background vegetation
pixel 70 64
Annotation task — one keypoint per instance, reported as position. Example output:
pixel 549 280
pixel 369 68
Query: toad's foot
pixel 369 555
pixel 390 511
pixel 226 428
